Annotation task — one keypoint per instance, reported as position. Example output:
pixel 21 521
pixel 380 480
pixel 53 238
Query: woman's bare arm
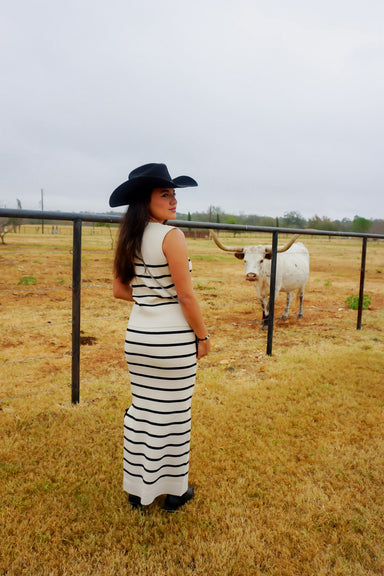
pixel 175 250
pixel 122 291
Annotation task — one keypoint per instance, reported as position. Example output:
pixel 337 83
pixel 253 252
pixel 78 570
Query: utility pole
pixel 42 209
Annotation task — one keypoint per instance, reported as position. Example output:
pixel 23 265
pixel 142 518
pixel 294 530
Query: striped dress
pixel 160 349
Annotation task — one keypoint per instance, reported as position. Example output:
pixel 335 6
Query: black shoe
pixel 173 503
pixel 135 501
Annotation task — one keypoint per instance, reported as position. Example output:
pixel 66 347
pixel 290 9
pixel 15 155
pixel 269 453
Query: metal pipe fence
pixel 78 218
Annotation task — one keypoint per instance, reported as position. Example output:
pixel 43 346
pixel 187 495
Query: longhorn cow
pixel 292 270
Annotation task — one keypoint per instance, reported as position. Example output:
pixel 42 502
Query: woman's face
pixel 162 205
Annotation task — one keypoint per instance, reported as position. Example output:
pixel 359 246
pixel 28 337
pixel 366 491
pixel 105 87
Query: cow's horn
pixel 287 245
pixel 226 248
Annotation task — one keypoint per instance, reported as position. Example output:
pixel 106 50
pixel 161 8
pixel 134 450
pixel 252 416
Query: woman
pixel 165 335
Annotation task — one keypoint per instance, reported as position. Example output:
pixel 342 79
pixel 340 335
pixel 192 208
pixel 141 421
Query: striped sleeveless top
pixel 153 290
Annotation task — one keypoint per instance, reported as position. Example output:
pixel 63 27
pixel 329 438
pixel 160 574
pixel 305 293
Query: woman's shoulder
pixel 158 226
pixel 158 230
pixel 155 236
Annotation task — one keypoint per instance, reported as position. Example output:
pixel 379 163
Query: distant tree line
pixel 291 219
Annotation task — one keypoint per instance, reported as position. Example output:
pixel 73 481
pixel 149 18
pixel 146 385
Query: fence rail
pixel 78 218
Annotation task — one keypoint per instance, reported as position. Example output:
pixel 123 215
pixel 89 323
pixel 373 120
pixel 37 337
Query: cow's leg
pixel 286 311
pixel 265 309
pixel 301 298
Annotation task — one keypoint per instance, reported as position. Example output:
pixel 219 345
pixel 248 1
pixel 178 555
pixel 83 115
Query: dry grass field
pixel 287 453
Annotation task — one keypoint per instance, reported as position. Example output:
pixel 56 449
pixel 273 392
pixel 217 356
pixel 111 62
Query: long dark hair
pixel 131 233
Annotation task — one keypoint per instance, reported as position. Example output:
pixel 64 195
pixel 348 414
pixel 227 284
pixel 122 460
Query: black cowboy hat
pixel 144 178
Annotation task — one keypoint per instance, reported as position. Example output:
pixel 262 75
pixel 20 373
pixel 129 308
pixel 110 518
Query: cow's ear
pixel 239 255
pixel 268 256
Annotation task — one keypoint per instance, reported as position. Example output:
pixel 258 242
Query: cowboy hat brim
pixel 128 191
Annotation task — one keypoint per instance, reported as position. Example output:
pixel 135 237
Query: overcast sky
pixel 271 105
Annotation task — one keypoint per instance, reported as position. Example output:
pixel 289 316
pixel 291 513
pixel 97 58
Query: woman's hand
pixel 203 348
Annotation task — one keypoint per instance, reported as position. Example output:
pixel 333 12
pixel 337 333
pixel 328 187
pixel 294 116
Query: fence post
pixel 272 281
pixel 76 293
pixel 362 277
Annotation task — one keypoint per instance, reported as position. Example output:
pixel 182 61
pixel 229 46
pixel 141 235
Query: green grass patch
pixel 27 281
pixel 353 302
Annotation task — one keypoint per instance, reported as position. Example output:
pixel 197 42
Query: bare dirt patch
pixel 37 318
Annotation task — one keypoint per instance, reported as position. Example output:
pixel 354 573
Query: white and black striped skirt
pixel 157 426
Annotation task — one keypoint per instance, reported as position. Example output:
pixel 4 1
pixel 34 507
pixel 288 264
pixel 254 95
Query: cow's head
pixel 254 256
